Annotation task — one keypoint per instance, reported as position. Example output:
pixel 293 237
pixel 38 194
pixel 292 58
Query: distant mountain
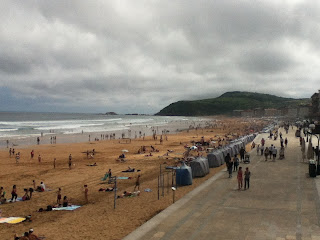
pixel 228 102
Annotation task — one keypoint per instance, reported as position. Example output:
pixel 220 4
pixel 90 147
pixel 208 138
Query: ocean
pixel 22 128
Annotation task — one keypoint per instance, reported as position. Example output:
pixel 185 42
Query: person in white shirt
pixel 274 153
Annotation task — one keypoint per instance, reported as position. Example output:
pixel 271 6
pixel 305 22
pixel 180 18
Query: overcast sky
pixel 140 56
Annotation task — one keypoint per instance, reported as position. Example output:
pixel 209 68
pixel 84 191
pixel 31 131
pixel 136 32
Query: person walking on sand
pixel 59 196
pixel 240 178
pixel 32 154
pixel 86 190
pixel 247 175
pixel 137 183
pixel 70 161
pixel 54 163
pixel 39 158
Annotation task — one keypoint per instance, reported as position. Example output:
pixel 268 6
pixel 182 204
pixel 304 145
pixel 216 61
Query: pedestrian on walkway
pixel 261 150
pixel 266 153
pixel 247 175
pixel 227 159
pixel 235 163
pixel 281 153
pixel 286 142
pixel 270 150
pixel 229 166
pixel 242 152
pixel 274 153
pixel 240 178
pixel 258 149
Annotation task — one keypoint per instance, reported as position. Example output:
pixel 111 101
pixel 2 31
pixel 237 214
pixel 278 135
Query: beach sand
pixel 98 219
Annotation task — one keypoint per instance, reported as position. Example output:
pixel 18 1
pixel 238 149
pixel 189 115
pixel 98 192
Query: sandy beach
pixel 98 219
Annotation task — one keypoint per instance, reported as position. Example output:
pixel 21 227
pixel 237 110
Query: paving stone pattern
pixel 282 203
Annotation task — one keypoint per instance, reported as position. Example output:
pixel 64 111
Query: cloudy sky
pixel 140 56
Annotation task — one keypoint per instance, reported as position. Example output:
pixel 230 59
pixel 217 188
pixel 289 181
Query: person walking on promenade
pixel 242 152
pixel 261 150
pixel 229 166
pixel 262 142
pixel 227 160
pixel 270 151
pixel 274 153
pixel 240 178
pixel 70 161
pixel 266 153
pixel 281 153
pixel 235 163
pixel 258 149
pixel 247 175
pixel 286 142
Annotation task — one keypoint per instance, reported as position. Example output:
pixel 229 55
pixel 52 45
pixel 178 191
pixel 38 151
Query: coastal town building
pixel 315 106
pixel 288 112
pixel 272 112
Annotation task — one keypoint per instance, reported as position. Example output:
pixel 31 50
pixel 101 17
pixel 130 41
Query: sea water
pixel 24 127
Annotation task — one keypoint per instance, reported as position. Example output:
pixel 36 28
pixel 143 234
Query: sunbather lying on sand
pixel 129 170
pixel 92 165
pixel 129 194
pixel 109 189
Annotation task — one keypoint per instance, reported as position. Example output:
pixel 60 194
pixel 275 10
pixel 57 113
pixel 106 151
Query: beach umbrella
pixel 310 153
pixel 125 150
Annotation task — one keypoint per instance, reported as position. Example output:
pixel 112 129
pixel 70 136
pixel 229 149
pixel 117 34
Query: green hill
pixel 228 102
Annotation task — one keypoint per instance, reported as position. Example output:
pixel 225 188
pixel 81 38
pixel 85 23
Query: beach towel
pixel 12 220
pixel 105 177
pixel 19 199
pixel 147 190
pixel 123 177
pixel 69 208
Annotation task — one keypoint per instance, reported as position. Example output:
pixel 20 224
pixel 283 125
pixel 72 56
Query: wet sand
pixel 98 219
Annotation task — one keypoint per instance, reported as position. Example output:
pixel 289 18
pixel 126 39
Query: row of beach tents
pixel 199 167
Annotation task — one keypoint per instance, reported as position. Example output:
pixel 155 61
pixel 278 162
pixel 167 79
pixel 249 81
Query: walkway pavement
pixel 282 203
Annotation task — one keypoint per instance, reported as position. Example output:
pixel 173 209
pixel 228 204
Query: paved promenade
pixel 282 203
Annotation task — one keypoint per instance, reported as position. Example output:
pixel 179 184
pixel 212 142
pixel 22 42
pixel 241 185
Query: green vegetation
pixel 228 102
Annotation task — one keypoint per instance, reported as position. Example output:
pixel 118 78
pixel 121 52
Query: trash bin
pixel 312 168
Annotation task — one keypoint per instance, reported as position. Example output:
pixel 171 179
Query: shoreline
pixel 131 132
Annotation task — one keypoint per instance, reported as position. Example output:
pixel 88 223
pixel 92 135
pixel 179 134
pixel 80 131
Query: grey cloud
pixel 143 55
